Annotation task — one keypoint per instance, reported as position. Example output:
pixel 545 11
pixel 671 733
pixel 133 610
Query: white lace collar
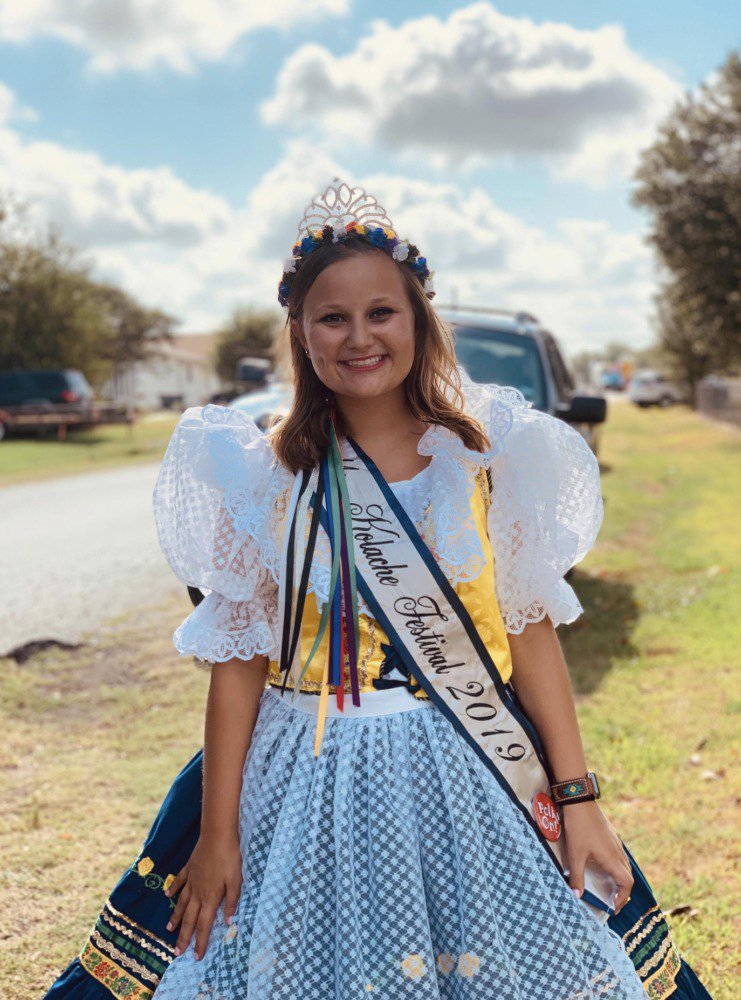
pixel 437 499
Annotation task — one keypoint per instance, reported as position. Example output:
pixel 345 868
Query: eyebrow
pixel 373 301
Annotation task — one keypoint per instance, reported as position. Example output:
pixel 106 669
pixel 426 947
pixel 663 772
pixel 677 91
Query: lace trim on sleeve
pixel 561 605
pixel 219 629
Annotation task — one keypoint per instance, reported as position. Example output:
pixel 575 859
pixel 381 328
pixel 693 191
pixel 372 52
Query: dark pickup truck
pixel 52 399
pixel 512 348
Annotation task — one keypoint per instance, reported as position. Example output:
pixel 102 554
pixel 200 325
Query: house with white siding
pixel 177 374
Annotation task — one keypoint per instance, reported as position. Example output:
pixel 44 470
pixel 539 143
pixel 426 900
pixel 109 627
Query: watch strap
pixel 581 789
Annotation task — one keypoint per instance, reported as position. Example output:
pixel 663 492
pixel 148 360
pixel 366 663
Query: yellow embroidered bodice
pixel 478 596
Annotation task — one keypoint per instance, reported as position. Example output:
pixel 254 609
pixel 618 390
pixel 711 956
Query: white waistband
pixel 386 701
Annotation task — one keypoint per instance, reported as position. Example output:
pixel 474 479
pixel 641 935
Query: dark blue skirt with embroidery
pixel 129 947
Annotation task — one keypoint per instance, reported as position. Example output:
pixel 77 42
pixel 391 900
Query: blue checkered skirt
pixel 392 865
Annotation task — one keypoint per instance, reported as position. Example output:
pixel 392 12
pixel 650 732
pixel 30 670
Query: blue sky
pixel 180 149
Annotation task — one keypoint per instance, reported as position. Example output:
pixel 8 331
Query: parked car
pixel 224 396
pixel 650 388
pixel 513 348
pixel 55 387
pixel 263 404
pixel 253 372
pixel 612 380
pixel 43 399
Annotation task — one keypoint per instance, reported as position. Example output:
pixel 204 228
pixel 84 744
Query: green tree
pixel 615 350
pixel 581 365
pixel 54 314
pixel 249 332
pixel 690 182
pixel 49 309
pixel 131 329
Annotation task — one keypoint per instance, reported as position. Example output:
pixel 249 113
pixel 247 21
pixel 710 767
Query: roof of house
pixel 198 344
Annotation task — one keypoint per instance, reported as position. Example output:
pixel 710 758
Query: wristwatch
pixel 576 790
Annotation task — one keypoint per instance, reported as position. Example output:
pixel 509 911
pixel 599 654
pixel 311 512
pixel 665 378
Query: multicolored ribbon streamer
pixel 340 612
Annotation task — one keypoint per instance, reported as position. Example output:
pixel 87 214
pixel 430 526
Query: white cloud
pixel 7 103
pixel 11 110
pixel 98 203
pixel 176 247
pixel 140 34
pixel 188 251
pixel 481 85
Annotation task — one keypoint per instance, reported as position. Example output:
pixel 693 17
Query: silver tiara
pixel 338 206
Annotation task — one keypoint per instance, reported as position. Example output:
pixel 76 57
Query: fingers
pixel 620 872
pixel 178 882
pixel 195 914
pixel 208 913
pixel 177 913
pixel 190 920
pixel 231 901
pixel 576 875
pixel 624 881
pixel 203 928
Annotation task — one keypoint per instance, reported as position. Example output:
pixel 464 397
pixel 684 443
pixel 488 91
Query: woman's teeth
pixel 366 362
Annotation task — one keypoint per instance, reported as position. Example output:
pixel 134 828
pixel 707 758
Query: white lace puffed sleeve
pixel 546 505
pixel 216 504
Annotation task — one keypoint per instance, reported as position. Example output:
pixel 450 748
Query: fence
pixel 720 397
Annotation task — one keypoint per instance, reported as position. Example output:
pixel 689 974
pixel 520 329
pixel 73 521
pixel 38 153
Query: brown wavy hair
pixel 301 438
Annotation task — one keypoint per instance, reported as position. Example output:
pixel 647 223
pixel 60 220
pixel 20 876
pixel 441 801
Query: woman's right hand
pixel 213 871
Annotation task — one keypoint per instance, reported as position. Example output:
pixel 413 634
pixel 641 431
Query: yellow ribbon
pixel 322 715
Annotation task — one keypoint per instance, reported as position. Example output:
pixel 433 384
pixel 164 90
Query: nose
pixel 359 334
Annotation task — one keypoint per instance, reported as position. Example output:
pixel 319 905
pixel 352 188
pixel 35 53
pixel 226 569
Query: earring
pixel 306 352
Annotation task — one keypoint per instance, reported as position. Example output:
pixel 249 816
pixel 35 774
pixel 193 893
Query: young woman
pixel 395 797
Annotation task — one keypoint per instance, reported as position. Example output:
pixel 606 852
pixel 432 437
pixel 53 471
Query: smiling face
pixel 358 326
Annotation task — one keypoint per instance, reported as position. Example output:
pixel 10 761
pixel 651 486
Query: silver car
pixel 649 388
pixel 263 404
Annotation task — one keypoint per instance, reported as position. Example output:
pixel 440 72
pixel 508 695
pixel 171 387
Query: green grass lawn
pixel 655 665
pixel 94 736
pixel 24 459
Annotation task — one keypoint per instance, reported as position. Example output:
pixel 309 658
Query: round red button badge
pixel 546 816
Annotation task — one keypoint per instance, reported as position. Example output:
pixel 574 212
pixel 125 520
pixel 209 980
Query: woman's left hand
pixel 591 837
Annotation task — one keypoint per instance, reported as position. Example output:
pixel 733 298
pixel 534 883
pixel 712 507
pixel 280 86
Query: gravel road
pixel 76 551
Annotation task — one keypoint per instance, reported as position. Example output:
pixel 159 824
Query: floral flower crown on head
pixel 339 213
